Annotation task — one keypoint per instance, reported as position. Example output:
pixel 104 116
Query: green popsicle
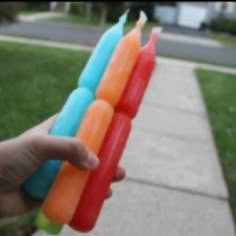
pixel 45 224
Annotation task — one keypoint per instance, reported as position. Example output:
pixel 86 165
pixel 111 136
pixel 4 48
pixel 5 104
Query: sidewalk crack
pixel 178 189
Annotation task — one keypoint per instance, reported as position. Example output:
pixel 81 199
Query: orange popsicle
pixel 121 64
pixel 65 193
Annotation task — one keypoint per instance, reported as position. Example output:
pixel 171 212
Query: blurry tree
pixel 147 7
pixel 167 3
pixel 109 11
pixel 115 10
pixel 39 6
pixel 84 9
pixel 103 8
pixel 88 11
pixel 10 10
pixel 136 7
pixel 78 8
pixel 226 25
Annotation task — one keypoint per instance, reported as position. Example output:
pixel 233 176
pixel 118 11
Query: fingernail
pixel 92 161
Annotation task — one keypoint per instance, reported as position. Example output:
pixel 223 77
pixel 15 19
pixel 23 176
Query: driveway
pixel 174 29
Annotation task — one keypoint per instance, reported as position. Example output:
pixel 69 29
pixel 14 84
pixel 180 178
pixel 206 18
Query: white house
pixel 193 14
pixel 187 14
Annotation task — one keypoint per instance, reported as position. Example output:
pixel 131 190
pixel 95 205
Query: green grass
pixel 226 39
pixel 219 91
pixel 74 19
pixel 18 226
pixel 29 11
pixel 34 84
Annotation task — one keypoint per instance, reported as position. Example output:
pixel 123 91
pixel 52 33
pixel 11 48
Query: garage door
pixel 191 16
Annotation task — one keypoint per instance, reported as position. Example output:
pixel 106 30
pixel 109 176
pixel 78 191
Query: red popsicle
pixel 94 194
pixel 139 78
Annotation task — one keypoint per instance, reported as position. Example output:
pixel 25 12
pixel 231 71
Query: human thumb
pixel 45 147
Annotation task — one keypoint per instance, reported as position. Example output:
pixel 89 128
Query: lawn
pixel 75 19
pixel 34 83
pixel 228 40
pixel 219 92
pixel 29 11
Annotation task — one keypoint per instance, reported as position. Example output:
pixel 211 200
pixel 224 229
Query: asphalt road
pixel 89 37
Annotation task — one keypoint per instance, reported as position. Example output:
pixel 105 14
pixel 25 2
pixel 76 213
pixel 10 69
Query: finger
pixel 16 203
pixel 42 128
pixel 119 175
pixel 47 124
pixel 47 147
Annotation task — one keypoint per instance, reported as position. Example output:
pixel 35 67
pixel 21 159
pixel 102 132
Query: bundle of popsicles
pixel 99 113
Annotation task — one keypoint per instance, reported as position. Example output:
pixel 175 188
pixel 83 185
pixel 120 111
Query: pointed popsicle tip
pixel 142 20
pixel 127 11
pixel 157 30
pixel 123 18
pixel 143 17
pixel 155 33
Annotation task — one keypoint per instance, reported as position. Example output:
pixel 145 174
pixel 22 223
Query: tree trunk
pixel 88 10
pixel 103 17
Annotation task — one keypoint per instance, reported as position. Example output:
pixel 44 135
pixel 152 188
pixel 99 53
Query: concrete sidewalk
pixel 175 185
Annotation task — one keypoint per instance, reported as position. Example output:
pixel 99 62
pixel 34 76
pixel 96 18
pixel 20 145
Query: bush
pixel 148 8
pixel 77 8
pixel 203 26
pixel 115 10
pixel 19 225
pixel 38 6
pixel 225 25
pixel 10 10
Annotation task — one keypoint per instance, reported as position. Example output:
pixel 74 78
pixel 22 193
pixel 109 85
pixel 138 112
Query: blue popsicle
pixel 97 63
pixel 66 124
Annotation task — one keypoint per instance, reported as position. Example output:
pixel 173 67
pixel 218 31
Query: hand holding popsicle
pixel 89 79
pixel 69 183
pixel 66 124
pixel 69 118
pixel 131 44
pixel 123 85
pixel 22 155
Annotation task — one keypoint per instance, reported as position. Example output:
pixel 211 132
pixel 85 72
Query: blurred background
pixel 203 33
pixel 207 24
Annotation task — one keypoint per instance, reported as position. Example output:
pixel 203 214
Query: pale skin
pixel 23 155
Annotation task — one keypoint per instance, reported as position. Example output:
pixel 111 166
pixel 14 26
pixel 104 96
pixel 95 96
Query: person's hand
pixel 20 157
